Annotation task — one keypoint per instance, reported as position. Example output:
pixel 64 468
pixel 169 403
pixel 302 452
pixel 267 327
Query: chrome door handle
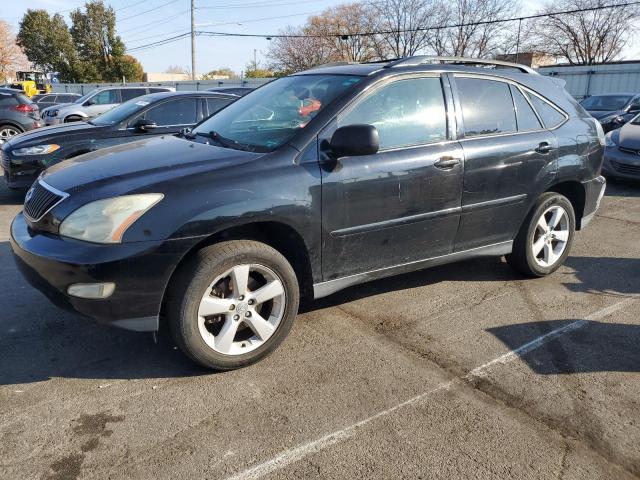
pixel 446 162
pixel 543 148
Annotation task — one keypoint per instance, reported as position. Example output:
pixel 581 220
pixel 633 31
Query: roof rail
pixel 422 59
pixel 332 64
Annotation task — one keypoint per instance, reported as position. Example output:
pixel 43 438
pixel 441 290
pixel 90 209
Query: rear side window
pixel 525 115
pixel 406 112
pixel 106 97
pixel 130 93
pixel 7 101
pixel 176 112
pixel 549 115
pixel 67 98
pixel 215 104
pixel 487 107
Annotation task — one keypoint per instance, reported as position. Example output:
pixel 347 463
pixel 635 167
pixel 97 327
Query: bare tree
pixel 402 23
pixel 12 58
pixel 175 69
pixel 340 27
pixel 297 51
pixel 472 33
pixel 588 37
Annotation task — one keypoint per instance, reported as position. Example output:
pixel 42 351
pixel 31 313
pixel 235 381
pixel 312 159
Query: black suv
pixel 307 185
pixel 25 157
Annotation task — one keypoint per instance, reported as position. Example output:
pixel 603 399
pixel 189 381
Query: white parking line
pixel 298 453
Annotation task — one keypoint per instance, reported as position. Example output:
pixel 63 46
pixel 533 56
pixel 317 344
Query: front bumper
pixel 140 270
pixel 621 164
pixel 594 191
pixel 52 120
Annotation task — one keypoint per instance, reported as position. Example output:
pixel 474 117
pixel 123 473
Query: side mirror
pixel 89 102
pixel 143 125
pixel 355 140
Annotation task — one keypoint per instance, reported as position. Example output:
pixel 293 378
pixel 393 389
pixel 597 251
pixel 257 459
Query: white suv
pixel 96 103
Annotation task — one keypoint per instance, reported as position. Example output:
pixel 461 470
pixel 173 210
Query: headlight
pixel 615 118
pixel 608 141
pixel 105 221
pixel 54 113
pixel 37 150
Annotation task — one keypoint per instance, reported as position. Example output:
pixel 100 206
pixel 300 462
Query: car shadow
pixel 10 197
pixel 39 341
pixel 592 347
pixel 611 276
pixel 622 188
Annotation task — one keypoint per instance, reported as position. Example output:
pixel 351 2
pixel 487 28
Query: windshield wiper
pixel 227 142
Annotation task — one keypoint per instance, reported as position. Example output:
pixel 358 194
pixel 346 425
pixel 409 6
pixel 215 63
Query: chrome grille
pixel 626 168
pixel 40 199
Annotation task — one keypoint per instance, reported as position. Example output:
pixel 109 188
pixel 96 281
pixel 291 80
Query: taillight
pixel 26 107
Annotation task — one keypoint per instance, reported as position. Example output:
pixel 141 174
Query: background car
pixel 45 100
pixel 612 110
pixel 149 115
pixel 17 114
pixel 622 152
pixel 97 102
pixel 239 91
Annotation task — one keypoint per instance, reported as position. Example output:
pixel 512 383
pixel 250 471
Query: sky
pixel 140 22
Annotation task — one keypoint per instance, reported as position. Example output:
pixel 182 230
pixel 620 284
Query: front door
pixel 403 203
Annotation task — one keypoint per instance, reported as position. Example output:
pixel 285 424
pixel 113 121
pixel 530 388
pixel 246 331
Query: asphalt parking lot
pixel 462 371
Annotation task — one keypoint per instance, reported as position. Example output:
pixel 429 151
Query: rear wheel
pixel 72 118
pixel 8 131
pixel 233 304
pixel 544 240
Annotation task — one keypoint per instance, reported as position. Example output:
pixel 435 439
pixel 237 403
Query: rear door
pixel 508 153
pixel 403 203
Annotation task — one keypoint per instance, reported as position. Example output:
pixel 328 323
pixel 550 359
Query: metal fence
pixel 187 85
pixel 585 80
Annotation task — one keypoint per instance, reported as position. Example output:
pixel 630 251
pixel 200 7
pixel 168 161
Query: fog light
pixel 91 290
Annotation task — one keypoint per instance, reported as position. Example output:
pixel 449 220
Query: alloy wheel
pixel 241 309
pixel 551 236
pixel 6 133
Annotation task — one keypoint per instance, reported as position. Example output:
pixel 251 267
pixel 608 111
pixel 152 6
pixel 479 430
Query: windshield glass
pixel 270 116
pixel 85 97
pixel 635 120
pixel 122 111
pixel 605 102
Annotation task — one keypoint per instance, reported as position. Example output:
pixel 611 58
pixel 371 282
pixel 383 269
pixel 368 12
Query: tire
pixel 72 118
pixel 7 131
pixel 537 251
pixel 205 304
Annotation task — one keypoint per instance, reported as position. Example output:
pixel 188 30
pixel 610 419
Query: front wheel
pixel 233 304
pixel 544 240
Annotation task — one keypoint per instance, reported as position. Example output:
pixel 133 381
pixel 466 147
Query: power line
pixel 385 32
pixel 147 11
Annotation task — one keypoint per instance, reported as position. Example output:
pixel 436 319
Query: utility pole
pixel 193 40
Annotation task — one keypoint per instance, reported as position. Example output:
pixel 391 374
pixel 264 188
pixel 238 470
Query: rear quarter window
pixel 550 115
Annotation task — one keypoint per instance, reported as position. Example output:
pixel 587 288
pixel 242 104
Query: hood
pixel 50 134
pixel 141 163
pixel 598 114
pixel 627 137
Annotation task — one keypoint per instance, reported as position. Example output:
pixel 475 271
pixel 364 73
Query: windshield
pixel 270 116
pixel 635 120
pixel 606 102
pixel 122 111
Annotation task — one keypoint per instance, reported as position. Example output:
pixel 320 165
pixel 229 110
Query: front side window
pixel 487 107
pixel 549 115
pixel 215 104
pixel 106 97
pixel 272 115
pixel 176 112
pixel 526 117
pixel 405 112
